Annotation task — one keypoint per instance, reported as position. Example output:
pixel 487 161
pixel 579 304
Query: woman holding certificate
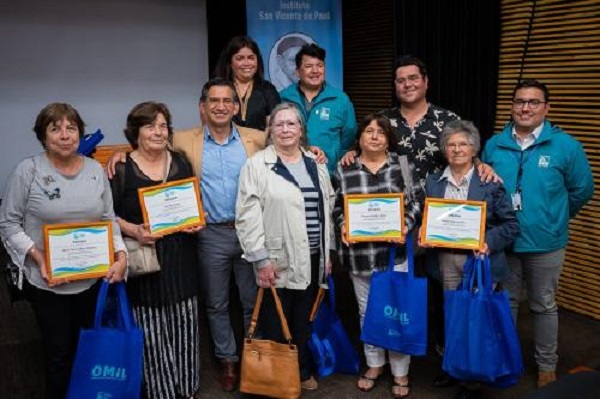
pixel 376 170
pixel 460 143
pixel 283 221
pixel 60 187
pixel 165 302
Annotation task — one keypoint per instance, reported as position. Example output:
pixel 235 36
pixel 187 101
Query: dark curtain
pixel 225 19
pixel 459 41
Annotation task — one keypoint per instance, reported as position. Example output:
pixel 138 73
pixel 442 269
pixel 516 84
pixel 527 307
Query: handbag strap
pixel 410 257
pixel 284 325
pixel 167 167
pixel 316 305
pixel 320 296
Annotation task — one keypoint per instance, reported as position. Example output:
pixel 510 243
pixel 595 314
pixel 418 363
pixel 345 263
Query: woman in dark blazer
pixel 460 144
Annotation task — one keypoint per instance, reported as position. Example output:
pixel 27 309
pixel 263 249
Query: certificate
pixel 78 251
pixel 374 217
pixel 172 207
pixel 454 223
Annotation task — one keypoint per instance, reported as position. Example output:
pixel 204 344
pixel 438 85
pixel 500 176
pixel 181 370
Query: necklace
pixel 243 97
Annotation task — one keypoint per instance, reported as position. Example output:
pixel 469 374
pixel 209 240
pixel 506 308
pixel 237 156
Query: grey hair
pixel 461 126
pixel 282 107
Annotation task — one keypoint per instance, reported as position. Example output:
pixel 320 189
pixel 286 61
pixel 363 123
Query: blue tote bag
pixel 108 363
pixel 396 315
pixel 331 349
pixel 481 339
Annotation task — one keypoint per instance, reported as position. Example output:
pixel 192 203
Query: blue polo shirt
pixel 221 165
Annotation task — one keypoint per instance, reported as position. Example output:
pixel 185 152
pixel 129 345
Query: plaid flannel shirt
pixel 363 258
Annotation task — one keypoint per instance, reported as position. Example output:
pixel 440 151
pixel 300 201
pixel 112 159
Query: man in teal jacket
pixel 546 172
pixel 329 114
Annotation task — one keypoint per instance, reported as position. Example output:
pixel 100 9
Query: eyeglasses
pixel 409 79
pixel 291 125
pixel 374 132
pixel 457 146
pixel 214 101
pixel 533 104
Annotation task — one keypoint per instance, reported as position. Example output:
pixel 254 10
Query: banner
pixel 281 27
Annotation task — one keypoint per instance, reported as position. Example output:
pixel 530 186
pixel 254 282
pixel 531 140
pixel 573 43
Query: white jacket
pixel 271 223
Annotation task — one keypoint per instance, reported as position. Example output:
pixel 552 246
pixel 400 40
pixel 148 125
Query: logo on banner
pixel 324 113
pixel 544 161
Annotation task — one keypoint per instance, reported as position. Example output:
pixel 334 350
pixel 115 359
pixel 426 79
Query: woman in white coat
pixel 283 221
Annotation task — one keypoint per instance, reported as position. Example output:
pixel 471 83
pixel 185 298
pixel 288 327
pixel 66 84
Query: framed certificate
pixel 171 207
pixel 454 223
pixel 78 251
pixel 374 217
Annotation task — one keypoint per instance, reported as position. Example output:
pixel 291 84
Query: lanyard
pixel 522 161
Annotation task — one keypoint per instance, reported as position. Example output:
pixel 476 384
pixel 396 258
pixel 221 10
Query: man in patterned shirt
pixel 416 122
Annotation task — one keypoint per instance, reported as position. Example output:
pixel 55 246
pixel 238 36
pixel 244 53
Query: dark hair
pixel 384 123
pixel 53 113
pixel 217 82
pixel 408 60
pixel 144 114
pixel 310 50
pixel 223 67
pixel 533 83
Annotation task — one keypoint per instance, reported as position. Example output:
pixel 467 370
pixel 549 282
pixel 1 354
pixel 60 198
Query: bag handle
pixel 410 257
pixel 320 297
pixel 123 310
pixel 284 325
pixel 316 305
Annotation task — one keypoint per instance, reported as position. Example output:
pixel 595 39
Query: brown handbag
pixel 268 367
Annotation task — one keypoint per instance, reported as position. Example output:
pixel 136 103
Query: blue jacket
pixel 556 183
pixel 330 124
pixel 501 225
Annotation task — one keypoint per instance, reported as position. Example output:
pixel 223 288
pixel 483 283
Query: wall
pixel 103 57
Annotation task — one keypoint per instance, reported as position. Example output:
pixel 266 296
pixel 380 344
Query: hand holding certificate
pixel 78 251
pixel 374 217
pixel 172 207
pixel 454 224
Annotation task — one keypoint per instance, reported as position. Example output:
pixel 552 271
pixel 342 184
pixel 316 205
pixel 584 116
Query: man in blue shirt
pixel 546 173
pixel 328 112
pixel 217 150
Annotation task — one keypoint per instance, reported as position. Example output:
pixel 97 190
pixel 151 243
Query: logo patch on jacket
pixel 324 113
pixel 544 161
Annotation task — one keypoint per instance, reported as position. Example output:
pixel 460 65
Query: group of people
pixel 273 170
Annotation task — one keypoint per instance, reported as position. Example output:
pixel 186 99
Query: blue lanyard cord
pixel 522 161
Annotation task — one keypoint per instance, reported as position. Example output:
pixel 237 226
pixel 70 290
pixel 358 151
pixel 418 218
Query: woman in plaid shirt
pixel 377 169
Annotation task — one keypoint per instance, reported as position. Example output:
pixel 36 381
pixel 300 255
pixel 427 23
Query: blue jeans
pixel 540 272
pixel 219 255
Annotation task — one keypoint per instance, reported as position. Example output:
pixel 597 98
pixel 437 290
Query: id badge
pixel 516 201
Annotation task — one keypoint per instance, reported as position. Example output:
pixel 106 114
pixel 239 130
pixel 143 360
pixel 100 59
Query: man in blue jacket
pixel 329 114
pixel 547 175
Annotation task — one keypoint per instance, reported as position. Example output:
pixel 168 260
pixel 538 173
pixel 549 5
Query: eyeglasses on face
pixel 409 79
pixel 533 104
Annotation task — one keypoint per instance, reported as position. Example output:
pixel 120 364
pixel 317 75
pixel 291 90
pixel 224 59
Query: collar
pixel 271 156
pixel 536 132
pixel 234 135
pixel 301 93
pixel 448 176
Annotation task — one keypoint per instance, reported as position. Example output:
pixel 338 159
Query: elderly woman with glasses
pixel 460 143
pixel 283 221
